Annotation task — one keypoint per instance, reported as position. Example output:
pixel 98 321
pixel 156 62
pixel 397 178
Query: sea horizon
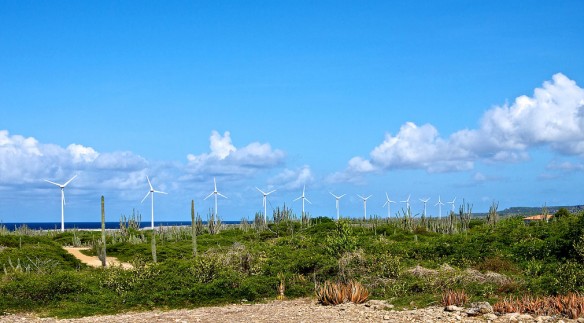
pixel 13 226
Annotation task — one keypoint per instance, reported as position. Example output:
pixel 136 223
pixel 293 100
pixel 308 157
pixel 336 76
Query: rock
pixel 525 318
pixel 490 316
pixel 453 308
pixel 482 307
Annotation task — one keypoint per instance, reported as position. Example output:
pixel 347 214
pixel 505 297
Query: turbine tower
pixel 364 205
pixel 303 198
pixel 425 201
pixel 439 207
pixel 388 203
pixel 215 192
pixel 264 202
pixel 452 202
pixel 407 203
pixel 151 192
pixel 62 186
pixel 337 202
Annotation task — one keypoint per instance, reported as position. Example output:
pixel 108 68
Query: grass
pixel 409 263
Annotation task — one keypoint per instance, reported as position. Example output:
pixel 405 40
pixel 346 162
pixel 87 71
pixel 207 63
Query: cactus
pixel 102 250
pixel 153 245
pixel 193 228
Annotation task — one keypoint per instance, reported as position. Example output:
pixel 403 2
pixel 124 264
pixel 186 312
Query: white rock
pixel 490 316
pixel 453 308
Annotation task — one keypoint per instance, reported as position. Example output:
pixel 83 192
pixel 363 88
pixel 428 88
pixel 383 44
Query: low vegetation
pixel 409 261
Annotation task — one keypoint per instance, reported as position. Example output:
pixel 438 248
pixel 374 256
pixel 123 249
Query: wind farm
pixel 422 161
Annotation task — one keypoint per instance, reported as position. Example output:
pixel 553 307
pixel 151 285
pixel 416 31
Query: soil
pixel 297 310
pixel 94 261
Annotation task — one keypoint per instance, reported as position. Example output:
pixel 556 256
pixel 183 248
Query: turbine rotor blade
pixel 307 200
pixel 221 195
pixel 296 199
pixel 46 180
pixel 160 192
pixel 145 197
pixel 69 181
pixel 208 196
pixel 342 195
pixel 270 192
pixel 149 184
pixel 260 191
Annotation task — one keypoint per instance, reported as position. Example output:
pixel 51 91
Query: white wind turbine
pixel 303 198
pixel 265 202
pixel 452 202
pixel 425 201
pixel 388 203
pixel 337 202
pixel 407 203
pixel 215 192
pixel 151 192
pixel 364 205
pixel 62 186
pixel 439 207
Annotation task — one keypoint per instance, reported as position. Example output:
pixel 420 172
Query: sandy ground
pixel 292 311
pixel 94 261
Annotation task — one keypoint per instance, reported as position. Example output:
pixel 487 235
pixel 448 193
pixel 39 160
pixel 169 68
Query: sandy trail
pixel 94 261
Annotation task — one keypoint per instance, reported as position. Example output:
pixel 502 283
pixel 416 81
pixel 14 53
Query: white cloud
pixel 293 179
pixel 224 158
pixel 552 117
pixel 565 166
pixel 26 160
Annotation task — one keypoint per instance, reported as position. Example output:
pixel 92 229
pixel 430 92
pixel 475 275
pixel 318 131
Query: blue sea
pixel 96 225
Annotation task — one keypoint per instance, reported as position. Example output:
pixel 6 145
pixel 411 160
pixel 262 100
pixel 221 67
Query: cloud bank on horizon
pixel 552 117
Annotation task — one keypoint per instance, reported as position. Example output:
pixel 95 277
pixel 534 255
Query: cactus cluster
pixel 334 293
pixel 570 305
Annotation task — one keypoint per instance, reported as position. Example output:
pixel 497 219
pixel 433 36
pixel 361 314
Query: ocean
pixel 96 225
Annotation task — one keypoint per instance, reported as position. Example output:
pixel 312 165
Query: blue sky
pixel 481 100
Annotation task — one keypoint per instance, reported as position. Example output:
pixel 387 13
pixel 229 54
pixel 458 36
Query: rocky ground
pixel 303 310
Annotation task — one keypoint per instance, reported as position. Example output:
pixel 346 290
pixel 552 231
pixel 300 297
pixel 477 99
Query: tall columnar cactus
pixel 103 251
pixel 153 241
pixel 193 228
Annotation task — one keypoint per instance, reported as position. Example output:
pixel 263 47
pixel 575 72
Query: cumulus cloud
pixel 293 179
pixel 225 159
pixel 553 117
pixel 26 160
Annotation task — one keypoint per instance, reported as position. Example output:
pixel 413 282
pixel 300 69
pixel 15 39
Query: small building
pixel 536 218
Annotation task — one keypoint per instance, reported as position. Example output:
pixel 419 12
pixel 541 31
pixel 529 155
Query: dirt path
pixel 293 311
pixel 94 261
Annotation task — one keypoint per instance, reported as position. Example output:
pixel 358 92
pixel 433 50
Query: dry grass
pixel 454 297
pixel 338 293
pixel 571 305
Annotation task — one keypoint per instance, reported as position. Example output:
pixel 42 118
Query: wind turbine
pixel 407 203
pixel 62 186
pixel 337 203
pixel 452 202
pixel 425 201
pixel 439 207
pixel 388 203
pixel 264 202
pixel 364 205
pixel 151 191
pixel 215 192
pixel 303 198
